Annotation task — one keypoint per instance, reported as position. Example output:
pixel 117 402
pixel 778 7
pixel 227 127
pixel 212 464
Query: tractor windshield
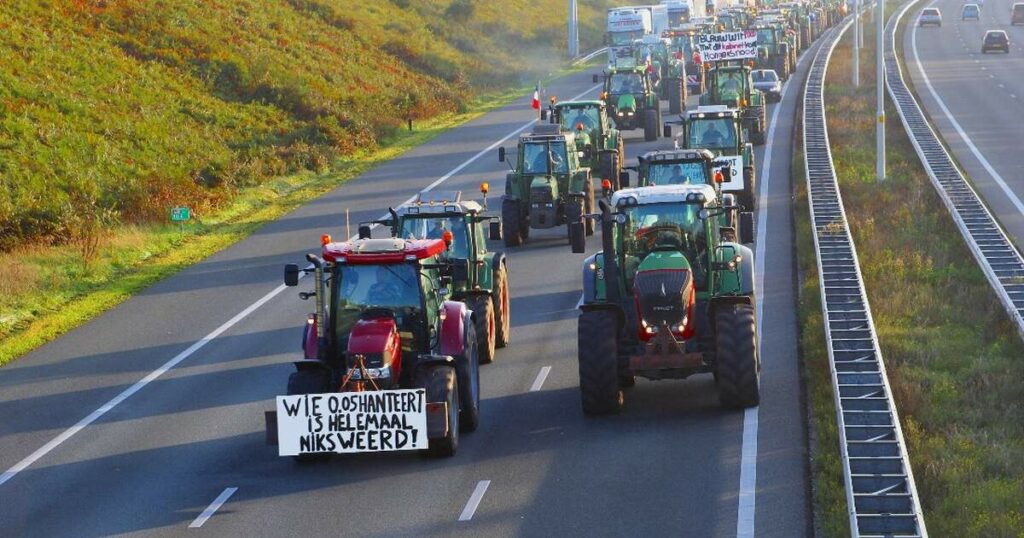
pixel 434 228
pixel 766 36
pixel 730 84
pixel 620 83
pixel 716 133
pixel 619 39
pixel 537 156
pixel 686 173
pixel 589 117
pixel 667 225
pixel 360 287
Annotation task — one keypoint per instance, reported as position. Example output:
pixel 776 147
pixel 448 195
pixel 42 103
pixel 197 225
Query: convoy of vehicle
pixel 391 352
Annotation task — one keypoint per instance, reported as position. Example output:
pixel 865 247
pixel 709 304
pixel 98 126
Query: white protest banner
pixel 727 45
pixel 732 168
pixel 373 421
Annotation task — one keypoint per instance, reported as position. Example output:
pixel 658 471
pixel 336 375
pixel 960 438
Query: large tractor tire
pixel 503 310
pixel 748 197
pixel 512 222
pixel 782 67
pixel 468 372
pixel 442 385
pixel 310 381
pixel 738 368
pixel 574 209
pixel 588 208
pixel 651 125
pixel 609 164
pixel 676 96
pixel 597 349
pixel 486 327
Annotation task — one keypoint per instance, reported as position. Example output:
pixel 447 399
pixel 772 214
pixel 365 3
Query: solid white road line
pixel 541 376
pixel 1010 195
pixel 95 415
pixel 748 453
pixel 474 500
pixel 214 506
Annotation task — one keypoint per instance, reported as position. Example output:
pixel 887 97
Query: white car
pixel 930 15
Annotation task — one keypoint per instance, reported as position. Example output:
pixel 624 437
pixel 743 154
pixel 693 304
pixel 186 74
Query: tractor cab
pixel 596 135
pixel 732 86
pixel 632 100
pixel 720 130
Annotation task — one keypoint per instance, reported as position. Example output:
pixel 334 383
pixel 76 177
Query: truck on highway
pixel 681 11
pixel 625 25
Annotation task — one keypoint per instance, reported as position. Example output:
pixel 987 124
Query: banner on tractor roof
pixel 347 422
pixel 732 168
pixel 727 45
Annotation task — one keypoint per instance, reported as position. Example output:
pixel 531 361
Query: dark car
pixel 995 40
pixel 767 81
pixel 1017 14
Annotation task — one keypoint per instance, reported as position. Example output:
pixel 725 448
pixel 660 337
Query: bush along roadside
pixel 952 356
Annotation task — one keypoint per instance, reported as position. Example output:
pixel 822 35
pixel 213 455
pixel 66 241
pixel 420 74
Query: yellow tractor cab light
pixel 553 99
pixel 604 95
pixel 325 239
pixel 485 187
pixel 743 102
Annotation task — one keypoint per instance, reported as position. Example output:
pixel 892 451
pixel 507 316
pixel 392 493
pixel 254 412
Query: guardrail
pixel 590 56
pixel 880 492
pixel 995 253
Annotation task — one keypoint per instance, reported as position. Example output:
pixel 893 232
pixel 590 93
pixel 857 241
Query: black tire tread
pixel 737 363
pixel 600 392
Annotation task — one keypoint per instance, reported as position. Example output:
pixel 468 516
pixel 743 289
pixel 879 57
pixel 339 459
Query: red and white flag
pixel 536 97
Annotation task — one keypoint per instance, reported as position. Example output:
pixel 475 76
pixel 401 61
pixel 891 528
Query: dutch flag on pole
pixel 536 97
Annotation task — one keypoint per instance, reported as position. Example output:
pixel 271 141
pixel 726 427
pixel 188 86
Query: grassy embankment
pixel 952 355
pixel 114 112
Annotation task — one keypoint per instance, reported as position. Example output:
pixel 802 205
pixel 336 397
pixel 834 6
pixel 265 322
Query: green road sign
pixel 180 214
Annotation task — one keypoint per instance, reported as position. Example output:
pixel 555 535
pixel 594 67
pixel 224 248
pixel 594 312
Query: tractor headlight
pixel 373 373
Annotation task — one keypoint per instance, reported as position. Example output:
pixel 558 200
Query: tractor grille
pixel 662 295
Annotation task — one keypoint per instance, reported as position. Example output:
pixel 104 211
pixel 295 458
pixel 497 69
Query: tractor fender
pixel 746 268
pixel 311 364
pixel 497 261
pixel 310 346
pixel 620 316
pixel 589 281
pixel 453 328
pixel 580 180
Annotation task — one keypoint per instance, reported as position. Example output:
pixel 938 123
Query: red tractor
pixel 382 324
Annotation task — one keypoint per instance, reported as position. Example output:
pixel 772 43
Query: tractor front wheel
pixel 748 198
pixel 503 302
pixel 676 96
pixel 512 222
pixel 597 349
pixel 442 385
pixel 468 372
pixel 651 125
pixel 739 370
pixel 483 308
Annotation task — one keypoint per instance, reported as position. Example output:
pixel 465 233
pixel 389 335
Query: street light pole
pixel 573 34
pixel 856 43
pixel 880 93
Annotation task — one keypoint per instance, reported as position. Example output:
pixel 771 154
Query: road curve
pixel 975 100
pixel 167 454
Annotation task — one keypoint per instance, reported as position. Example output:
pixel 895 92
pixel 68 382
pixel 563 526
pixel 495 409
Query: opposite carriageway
pixel 880 491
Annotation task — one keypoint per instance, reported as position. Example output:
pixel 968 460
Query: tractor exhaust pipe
pixel 321 311
pixel 611 264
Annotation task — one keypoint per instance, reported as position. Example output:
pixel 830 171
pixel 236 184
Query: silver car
pixel 767 81
pixel 931 16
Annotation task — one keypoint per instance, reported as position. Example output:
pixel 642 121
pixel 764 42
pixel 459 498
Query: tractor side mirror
pixel 543 114
pixel 364 231
pixel 291 275
pixel 460 270
pixel 501 154
pixel 596 79
pixel 495 231
pixel 623 180
pixel 667 132
pixel 747 227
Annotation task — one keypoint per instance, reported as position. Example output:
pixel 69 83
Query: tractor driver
pixel 677 177
pixel 712 136
pixel 391 289
pixel 731 85
pixel 583 118
pixel 540 163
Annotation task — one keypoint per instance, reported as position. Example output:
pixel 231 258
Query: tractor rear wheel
pixel 597 349
pixel 483 309
pixel 588 207
pixel 748 197
pixel 574 210
pixel 737 363
pixel 512 222
pixel 442 385
pixel 310 381
pixel 468 372
pixel 503 303
pixel 651 125
pixel 676 96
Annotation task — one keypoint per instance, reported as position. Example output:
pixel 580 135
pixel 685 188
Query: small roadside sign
pixel 180 214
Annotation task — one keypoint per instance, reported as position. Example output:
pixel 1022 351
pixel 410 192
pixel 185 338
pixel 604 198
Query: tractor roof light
pixel 606 184
pixel 448 237
pixel 325 239
pixel 485 187
pixel 719 177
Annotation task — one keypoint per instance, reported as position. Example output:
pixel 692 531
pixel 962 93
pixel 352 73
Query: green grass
pixel 952 355
pixel 112 115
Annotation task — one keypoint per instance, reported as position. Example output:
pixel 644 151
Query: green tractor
pixel 720 130
pixel 733 87
pixel 683 46
pixel 667 298
pixel 773 49
pixel 480 277
pixel 593 124
pixel 669 71
pixel 694 167
pixel 632 100
pixel 547 186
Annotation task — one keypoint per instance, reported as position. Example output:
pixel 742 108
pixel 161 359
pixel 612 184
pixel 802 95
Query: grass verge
pixel 952 355
pixel 47 291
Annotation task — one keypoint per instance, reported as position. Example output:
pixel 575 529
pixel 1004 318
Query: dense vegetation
pixel 113 111
pixel 952 355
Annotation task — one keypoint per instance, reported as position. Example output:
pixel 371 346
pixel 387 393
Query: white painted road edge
pixel 474 500
pixel 1012 196
pixel 748 453
pixel 541 376
pixel 214 506
pixel 95 415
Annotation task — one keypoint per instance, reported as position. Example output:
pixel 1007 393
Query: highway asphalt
pixel 975 100
pixel 136 422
